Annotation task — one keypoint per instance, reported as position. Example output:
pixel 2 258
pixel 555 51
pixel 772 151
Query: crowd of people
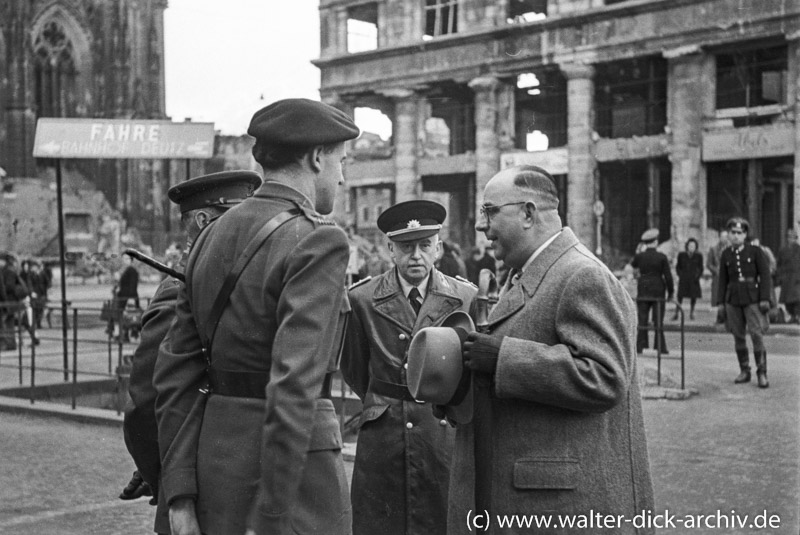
pixel 24 288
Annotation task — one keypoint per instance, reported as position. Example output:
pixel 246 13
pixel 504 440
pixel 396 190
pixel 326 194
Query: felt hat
pixel 436 372
pixel 412 220
pixel 217 189
pixel 300 122
pixel 650 234
pixel 738 223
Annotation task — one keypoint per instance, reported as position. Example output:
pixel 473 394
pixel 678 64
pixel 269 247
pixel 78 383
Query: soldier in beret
pixel 402 464
pixel 654 283
pixel 248 434
pixel 201 200
pixel 745 290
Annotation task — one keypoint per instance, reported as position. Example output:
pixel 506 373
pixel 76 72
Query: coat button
pixel 443 422
pixel 403 336
pixel 405 365
pixel 409 425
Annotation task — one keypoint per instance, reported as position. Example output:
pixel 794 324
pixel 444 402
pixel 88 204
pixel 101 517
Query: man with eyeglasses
pixel 745 289
pixel 557 424
pixel 402 464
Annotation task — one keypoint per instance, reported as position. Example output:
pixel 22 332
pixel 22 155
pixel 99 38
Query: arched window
pixel 55 71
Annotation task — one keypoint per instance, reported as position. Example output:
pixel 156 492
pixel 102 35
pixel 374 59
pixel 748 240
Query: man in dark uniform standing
pixel 655 280
pixel 201 200
pixel 402 465
pixel 745 288
pixel 248 433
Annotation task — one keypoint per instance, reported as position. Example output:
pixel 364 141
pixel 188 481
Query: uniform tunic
pixel 655 279
pixel 401 472
pixel 140 428
pixel 744 277
pixel 274 464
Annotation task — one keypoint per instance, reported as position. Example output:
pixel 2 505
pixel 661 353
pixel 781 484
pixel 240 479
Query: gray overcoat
pixel 559 429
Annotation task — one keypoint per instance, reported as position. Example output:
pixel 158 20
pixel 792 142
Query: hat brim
pixel 412 235
pixel 461 413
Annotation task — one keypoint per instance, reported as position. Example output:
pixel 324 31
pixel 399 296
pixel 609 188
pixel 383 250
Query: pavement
pixel 723 450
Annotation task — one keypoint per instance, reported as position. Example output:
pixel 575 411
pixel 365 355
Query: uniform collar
pixel 272 189
pixel 406 286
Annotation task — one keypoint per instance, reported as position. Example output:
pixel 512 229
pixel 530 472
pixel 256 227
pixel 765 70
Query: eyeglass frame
pixel 494 209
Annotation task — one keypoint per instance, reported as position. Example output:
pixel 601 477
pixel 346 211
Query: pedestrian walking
pixel 654 284
pixel 714 254
pixel 248 434
pixel 745 287
pixel 402 464
pixel 689 269
pixel 200 200
pixel 557 423
pixel 788 276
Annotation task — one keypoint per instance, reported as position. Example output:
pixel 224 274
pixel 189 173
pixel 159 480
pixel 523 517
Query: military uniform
pixel 655 280
pixel 744 282
pixel 265 458
pixel 402 463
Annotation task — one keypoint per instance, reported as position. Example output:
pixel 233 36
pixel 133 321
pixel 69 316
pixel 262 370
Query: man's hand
pixel 182 517
pixel 480 352
pixel 722 315
pixel 136 488
pixel 764 306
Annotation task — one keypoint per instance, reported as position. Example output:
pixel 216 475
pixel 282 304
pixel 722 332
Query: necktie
pixel 413 298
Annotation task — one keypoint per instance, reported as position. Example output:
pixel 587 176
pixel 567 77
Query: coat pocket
pixel 547 473
pixel 371 413
pixel 326 434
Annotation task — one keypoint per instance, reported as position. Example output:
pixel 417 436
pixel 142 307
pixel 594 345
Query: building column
pixel 341 30
pixel 794 95
pixel 20 112
pixel 581 182
pixel 408 185
pixel 690 75
pixel 487 138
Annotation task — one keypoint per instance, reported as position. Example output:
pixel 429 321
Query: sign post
pixel 59 138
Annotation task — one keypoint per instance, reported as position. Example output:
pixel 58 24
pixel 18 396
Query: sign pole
pixel 62 261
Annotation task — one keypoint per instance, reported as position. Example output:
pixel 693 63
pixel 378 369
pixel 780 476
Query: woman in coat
pixel 689 269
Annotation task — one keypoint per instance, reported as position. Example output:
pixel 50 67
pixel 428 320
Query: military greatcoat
pixel 270 463
pixel 140 428
pixel 403 456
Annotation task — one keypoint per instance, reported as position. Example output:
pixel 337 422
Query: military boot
pixel 744 366
pixel 761 368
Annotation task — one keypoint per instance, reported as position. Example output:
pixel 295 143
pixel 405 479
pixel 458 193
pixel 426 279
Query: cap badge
pixel 413 224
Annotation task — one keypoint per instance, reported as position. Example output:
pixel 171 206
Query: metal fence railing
pixel 657 327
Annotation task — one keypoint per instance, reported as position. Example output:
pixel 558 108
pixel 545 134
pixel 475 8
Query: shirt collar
pixel 406 286
pixel 538 251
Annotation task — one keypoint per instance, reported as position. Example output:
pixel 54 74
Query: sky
pixel 225 60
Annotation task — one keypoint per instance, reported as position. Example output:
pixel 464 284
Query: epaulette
pixel 359 283
pixel 466 281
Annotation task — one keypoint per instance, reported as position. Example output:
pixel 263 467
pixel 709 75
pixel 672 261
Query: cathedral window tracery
pixel 55 71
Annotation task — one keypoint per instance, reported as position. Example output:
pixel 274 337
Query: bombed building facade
pixel 675 114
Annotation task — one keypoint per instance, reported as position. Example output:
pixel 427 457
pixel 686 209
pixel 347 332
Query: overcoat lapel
pixel 391 304
pixel 514 299
pixel 440 301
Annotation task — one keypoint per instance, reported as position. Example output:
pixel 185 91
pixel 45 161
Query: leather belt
pixel 745 279
pixel 390 390
pixel 249 384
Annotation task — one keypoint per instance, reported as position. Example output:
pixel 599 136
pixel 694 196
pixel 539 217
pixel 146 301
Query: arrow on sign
pixel 197 148
pixel 50 147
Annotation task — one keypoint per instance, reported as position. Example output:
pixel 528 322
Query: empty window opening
pixel 520 11
pixel 540 111
pixel 376 132
pixel 362 28
pixel 752 78
pixel 441 18
pixel 454 106
pixel 631 97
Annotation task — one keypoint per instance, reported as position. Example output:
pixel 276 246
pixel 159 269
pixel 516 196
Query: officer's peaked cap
pixel 738 223
pixel 223 189
pixel 650 235
pixel 412 220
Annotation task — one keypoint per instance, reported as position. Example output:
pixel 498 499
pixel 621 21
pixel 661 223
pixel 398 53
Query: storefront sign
pixel 555 161
pixel 748 143
pixel 115 138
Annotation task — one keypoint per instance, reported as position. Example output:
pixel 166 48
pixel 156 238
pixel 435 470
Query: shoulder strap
pixel 233 275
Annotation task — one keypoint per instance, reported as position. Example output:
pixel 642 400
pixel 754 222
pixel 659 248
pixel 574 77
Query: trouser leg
pixel 642 310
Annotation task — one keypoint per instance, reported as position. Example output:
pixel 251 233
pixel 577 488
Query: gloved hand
pixel 480 352
pixel 764 306
pixel 136 488
pixel 721 314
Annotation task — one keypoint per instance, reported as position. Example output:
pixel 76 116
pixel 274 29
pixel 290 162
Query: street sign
pixel 119 138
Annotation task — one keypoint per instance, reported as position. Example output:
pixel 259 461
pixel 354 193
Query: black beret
pixel 301 122
pixel 217 189
pixel 738 223
pixel 412 220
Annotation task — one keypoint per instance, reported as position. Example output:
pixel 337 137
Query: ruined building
pixel 79 58
pixel 676 114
